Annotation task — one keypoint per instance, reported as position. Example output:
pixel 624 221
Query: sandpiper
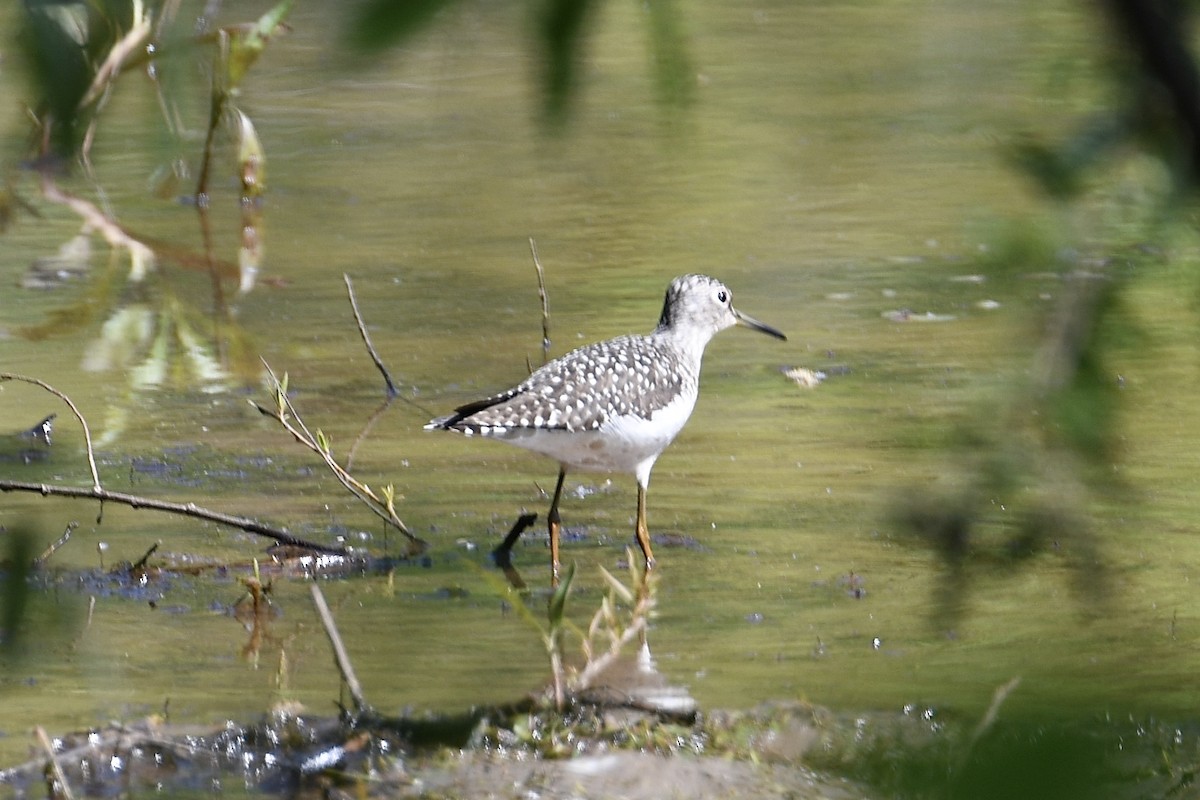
pixel 613 406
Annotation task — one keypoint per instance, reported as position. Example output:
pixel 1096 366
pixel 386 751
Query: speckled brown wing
pixel 578 392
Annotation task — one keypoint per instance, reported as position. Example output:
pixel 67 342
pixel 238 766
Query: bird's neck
pixel 689 344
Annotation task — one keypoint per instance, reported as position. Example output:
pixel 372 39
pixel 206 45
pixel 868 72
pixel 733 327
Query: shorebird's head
pixel 700 306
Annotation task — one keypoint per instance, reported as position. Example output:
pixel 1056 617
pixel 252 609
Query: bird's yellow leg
pixel 643 533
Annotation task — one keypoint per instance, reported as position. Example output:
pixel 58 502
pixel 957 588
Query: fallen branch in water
pixel 184 509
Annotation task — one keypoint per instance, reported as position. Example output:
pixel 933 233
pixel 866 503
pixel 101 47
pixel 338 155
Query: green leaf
pixel 620 589
pixel 558 600
pixel 246 43
pixel 252 159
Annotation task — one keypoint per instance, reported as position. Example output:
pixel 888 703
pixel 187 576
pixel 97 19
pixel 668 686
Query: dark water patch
pixel 681 541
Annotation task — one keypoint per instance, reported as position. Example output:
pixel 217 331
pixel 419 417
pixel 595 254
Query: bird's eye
pixel 722 296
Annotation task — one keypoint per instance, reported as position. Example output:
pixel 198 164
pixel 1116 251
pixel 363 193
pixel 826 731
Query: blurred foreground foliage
pixel 1028 465
pixel 33 622
pixel 559 34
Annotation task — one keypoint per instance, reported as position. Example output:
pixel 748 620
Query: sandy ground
pixel 625 775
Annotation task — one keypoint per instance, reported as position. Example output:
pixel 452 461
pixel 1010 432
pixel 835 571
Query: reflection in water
pixel 155 346
pixel 77 60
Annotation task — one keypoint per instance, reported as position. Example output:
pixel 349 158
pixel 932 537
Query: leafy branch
pixel 382 504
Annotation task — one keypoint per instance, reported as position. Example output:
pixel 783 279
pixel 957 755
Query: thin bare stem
pixel 216 109
pixel 340 656
pixel 541 276
pixel 392 391
pixel 376 415
pixel 87 433
pixel 128 46
pixel 64 788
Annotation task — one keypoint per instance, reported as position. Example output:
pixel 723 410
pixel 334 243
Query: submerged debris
pixel 71 263
pixel 28 445
pixel 908 315
pixel 807 378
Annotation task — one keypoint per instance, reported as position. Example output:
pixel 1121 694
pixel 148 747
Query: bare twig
pixel 541 276
pixel 54 547
pixel 392 391
pixel 127 46
pixel 502 554
pixel 216 109
pixel 185 509
pixel 341 657
pixel 87 433
pixel 141 562
pixel 367 427
pixel 64 788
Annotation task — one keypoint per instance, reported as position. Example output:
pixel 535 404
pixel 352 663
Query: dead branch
pixel 184 509
pixel 341 657
pixel 64 788
pixel 98 492
pixel 393 391
pixel 141 255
